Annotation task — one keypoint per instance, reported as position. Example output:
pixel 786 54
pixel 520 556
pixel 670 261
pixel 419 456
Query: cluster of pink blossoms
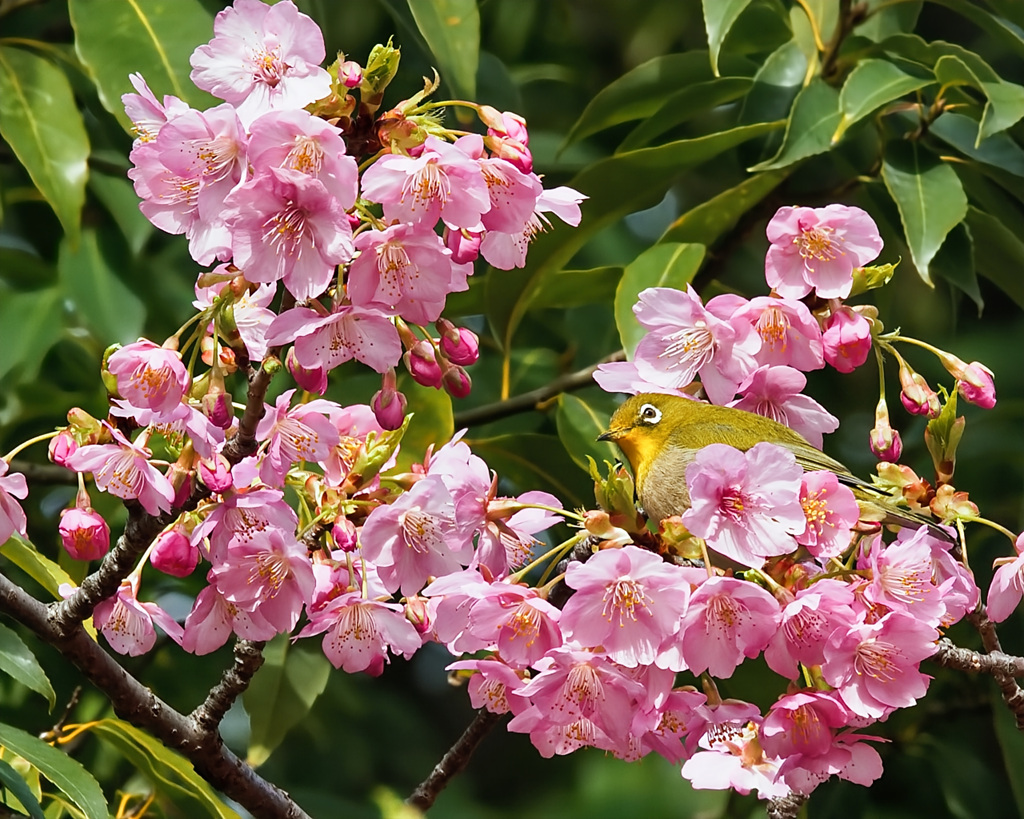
pixel 269 189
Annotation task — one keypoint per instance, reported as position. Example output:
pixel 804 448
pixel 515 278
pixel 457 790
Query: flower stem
pixel 44 437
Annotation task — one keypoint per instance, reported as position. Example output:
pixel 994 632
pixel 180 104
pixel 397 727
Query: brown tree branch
pixel 138 705
pixel 786 807
pixel 248 660
pixel 44 473
pixel 454 761
pixel 1013 696
pixel 529 400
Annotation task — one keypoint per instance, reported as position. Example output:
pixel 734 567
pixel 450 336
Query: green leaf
pixel 122 203
pixel 955 263
pixel 18 661
pixel 711 220
pixel 41 122
pixel 684 105
pixel 1000 151
pixel 532 461
pixel 579 424
pixel 998 253
pixel 812 123
pixel 152 37
pixel 571 288
pixel 618 185
pixel 719 16
pixel 870 85
pixel 1011 744
pixel 1007 35
pixel 887 19
pixel 929 196
pixel 824 14
pixel 13 781
pixel 102 301
pixel 64 772
pixel 452 30
pixel 30 323
pixel 171 773
pixel 23 554
pixel 432 422
pixel 670 264
pixel 640 92
pixel 282 694
pixel 1005 107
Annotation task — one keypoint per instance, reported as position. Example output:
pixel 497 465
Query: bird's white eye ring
pixel 650 414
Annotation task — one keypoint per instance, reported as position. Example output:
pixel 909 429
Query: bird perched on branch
pixel 661 434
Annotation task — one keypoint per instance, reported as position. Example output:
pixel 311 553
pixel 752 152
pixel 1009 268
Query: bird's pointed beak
pixel 612 434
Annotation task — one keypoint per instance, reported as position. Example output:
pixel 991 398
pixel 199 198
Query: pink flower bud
pixel 885 442
pixel 422 364
pixel 512 151
pixel 62 447
pixel 388 404
pixel 84 533
pixel 417 613
pixel 461 346
pixel 350 73
pixel 457 381
pixel 310 379
pixel 978 387
pixel 215 473
pixel 464 245
pixel 217 407
pixel 917 397
pixel 345 535
pixel 846 340
pixel 173 554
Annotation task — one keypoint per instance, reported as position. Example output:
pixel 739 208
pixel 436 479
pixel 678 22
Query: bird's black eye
pixel 650 414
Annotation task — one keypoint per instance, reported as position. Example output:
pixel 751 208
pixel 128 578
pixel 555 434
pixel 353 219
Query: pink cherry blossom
pixel 404 270
pixel 517 621
pixel 327 341
pixel 181 422
pixel 270 574
pixel 848 757
pixel 127 622
pixel 214 618
pixel 674 715
pixel 629 601
pixel 506 250
pixel 245 513
pixel 847 340
pixel 442 182
pixel 286 226
pixel 901 576
pixel 293 434
pixel 123 469
pixel 494 686
pixel 513 195
pixel 622 376
pixel 818 248
pixel 745 504
pixel 728 619
pixel 957 589
pixel 415 537
pixel 507 540
pixel 831 511
pixel 262 58
pixel 296 140
pixel 12 516
pixel 149 376
pixel 685 340
pixel 874 666
pixel 777 393
pixel 84 534
pixel 1007 587
pixel 790 335
pixel 808 621
pixel 360 633
pixel 146 112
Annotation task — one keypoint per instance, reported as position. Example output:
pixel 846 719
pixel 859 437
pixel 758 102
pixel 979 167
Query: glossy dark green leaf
pixel 452 30
pixel 640 92
pixel 719 16
pixel 888 19
pixel 872 84
pixel 23 554
pixel 172 775
pixel 825 16
pixel 1009 36
pixel 669 264
pixel 929 196
pixel 571 288
pixel 122 203
pixel 103 303
pixel 532 461
pixel 65 773
pixel 579 424
pixel 616 186
pixel 999 150
pixel 1004 109
pixel 955 263
pixel 711 220
pixel 12 781
pixel 471 302
pixel 432 422
pixel 683 106
pixel 282 693
pixel 915 49
pixel 41 122
pixel 30 323
pixel 811 125
pixel 18 662
pixel 998 253
pixel 154 38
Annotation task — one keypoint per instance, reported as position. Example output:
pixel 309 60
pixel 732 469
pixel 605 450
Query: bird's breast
pixel 661 487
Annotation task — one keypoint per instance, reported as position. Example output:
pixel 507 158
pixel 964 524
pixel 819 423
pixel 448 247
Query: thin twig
pixel 248 660
pixel 44 473
pixel 529 400
pixel 454 760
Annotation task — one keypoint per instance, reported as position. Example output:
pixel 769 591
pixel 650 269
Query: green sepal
pixel 942 437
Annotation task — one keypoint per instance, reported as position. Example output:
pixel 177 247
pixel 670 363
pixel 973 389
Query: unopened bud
pixel 457 382
pixel 84 533
pixel 311 379
pixel 460 345
pixel 388 404
pixel 350 74
pixel 173 553
pixel 62 447
pixel 417 612
pixel 917 397
pixel 464 245
pixel 422 365
pixel 885 442
pixel 215 473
